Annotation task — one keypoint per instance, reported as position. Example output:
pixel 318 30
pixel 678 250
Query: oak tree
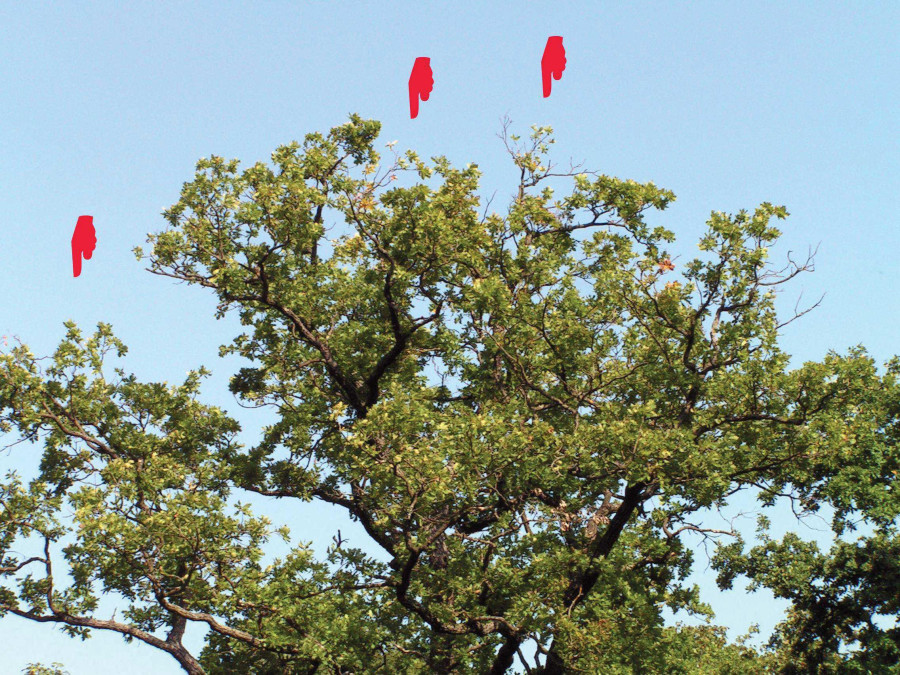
pixel 530 414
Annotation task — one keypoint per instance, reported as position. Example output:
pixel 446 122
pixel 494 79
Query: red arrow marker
pixel 553 62
pixel 421 82
pixel 84 241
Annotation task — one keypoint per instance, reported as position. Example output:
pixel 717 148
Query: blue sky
pixel 107 106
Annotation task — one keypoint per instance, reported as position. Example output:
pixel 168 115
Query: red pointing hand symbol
pixel 421 82
pixel 84 241
pixel 553 62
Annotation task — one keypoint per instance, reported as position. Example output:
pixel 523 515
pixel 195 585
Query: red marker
pixel 84 241
pixel 421 82
pixel 553 62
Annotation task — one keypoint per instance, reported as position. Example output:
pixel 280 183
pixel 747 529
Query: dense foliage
pixel 529 413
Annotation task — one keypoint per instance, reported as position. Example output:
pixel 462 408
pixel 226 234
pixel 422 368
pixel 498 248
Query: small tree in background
pixel 40 669
pixel 526 412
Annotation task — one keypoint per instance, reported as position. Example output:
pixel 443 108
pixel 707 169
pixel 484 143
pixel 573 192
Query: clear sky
pixel 105 108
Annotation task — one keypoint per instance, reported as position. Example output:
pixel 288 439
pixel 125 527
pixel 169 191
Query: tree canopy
pixel 528 412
